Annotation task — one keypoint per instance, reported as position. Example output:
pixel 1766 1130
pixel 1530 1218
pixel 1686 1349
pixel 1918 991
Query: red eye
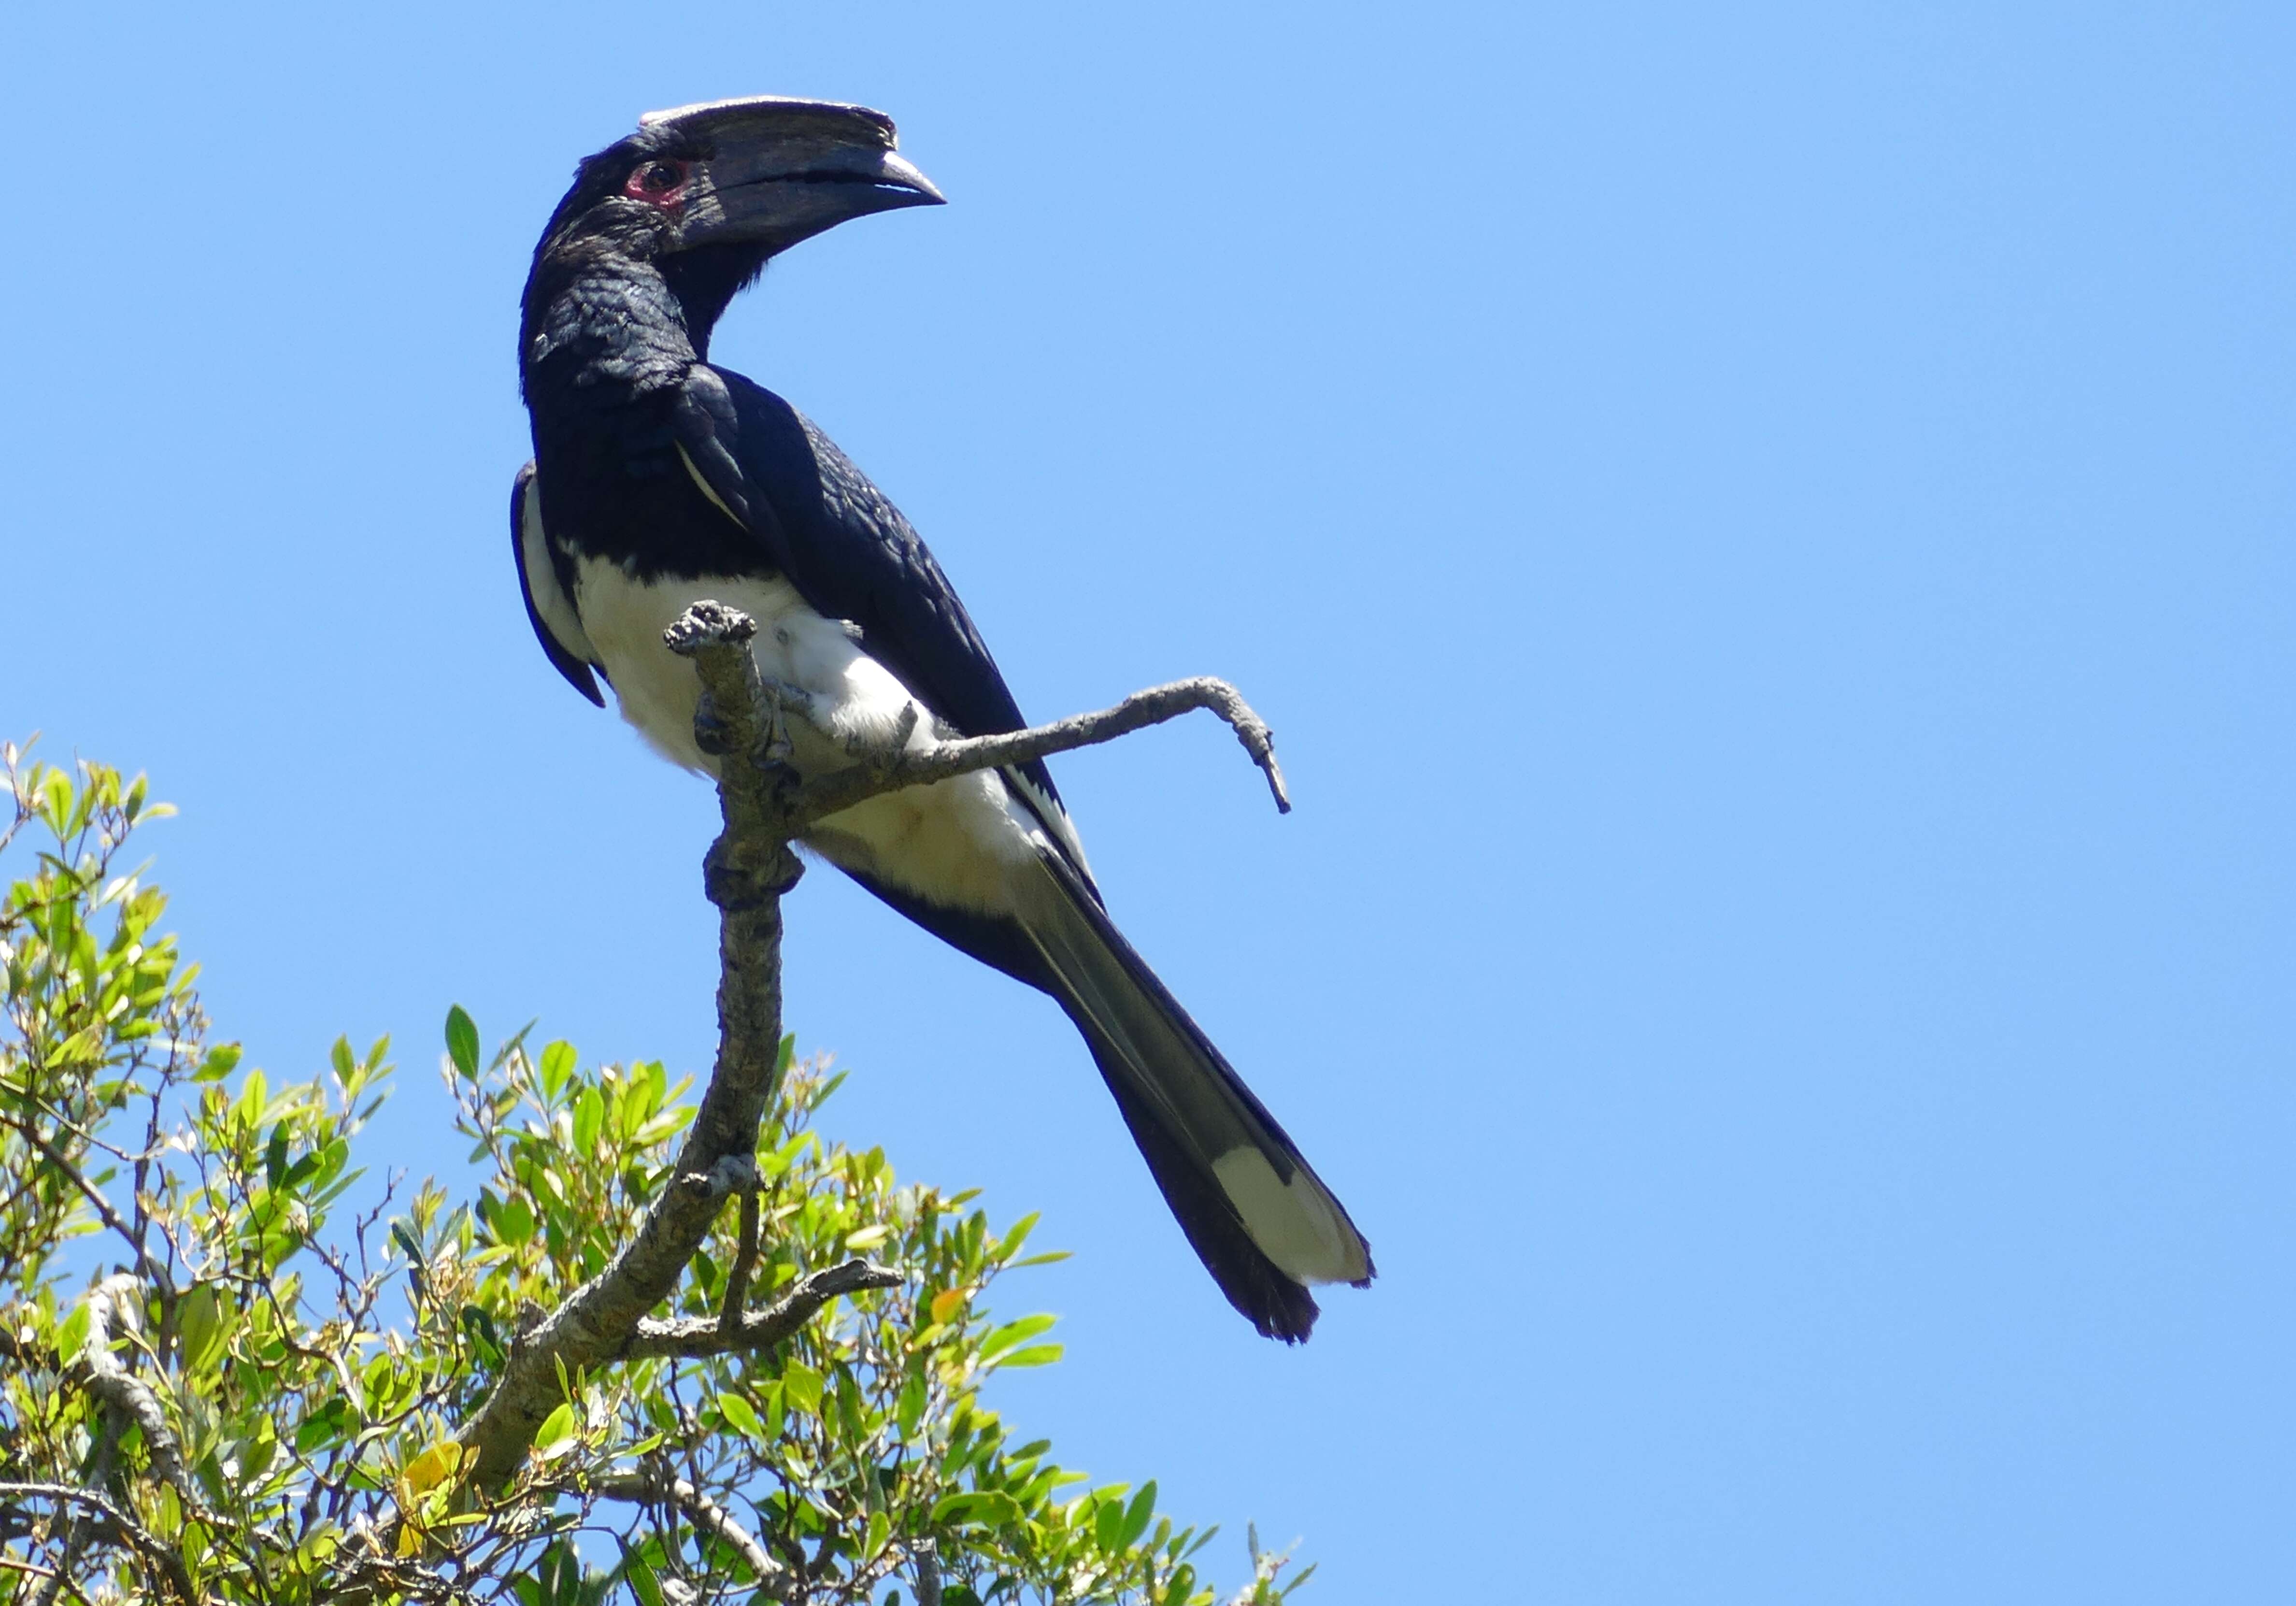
pixel 656 181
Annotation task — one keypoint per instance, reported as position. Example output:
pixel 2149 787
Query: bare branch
pixel 647 1487
pixel 689 1337
pixel 117 1387
pixel 747 871
pixel 745 1261
pixel 902 767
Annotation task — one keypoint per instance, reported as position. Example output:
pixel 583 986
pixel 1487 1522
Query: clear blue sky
pixel 1766 542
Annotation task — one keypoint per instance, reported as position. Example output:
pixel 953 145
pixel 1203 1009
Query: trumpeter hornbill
pixel 659 479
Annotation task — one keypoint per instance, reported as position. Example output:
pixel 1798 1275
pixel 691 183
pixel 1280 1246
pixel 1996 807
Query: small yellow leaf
pixel 946 1303
pixel 867 1238
pixel 436 1465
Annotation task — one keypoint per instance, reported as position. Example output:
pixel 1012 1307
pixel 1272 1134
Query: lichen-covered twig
pixel 873 773
pixel 747 871
pixel 112 1383
pixel 745 1262
pixel 690 1336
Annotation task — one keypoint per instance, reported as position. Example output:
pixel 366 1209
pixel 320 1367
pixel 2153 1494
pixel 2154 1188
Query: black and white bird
pixel 659 480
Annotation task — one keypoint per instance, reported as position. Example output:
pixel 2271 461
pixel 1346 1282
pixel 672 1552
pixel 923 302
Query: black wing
pixel 847 549
pixel 530 551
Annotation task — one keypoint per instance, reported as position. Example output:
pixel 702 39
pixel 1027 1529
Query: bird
pixel 659 480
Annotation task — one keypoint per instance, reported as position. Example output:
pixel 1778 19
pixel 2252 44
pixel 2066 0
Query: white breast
pixel 962 843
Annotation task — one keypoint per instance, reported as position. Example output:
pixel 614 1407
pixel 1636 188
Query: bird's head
pixel 707 193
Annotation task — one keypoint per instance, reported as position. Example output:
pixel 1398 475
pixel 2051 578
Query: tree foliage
pixel 237 1366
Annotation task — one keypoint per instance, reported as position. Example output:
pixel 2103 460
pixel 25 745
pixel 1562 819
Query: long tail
pixel 1262 1221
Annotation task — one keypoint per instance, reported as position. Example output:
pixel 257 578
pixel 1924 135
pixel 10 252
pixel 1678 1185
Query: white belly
pixel 963 843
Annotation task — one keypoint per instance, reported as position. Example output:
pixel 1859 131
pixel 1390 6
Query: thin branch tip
pixel 894 765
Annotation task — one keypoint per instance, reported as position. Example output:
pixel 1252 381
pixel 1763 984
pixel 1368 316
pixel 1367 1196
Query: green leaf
pixel 199 1323
pixel 1010 1244
pixel 741 1415
pixel 561 1575
pixel 462 1042
pixel 910 1409
pixel 1011 1334
pixel 802 1384
pixel 323 1426
pixel 513 1220
pixel 557 1065
pixel 556 1434
pixel 991 1508
pixel 589 1116
pixel 254 1094
pixel 56 802
pixel 221 1061
pixel 73 1335
pixel 1036 1355
pixel 479 1323
pixel 1137 1516
pixel 640 1574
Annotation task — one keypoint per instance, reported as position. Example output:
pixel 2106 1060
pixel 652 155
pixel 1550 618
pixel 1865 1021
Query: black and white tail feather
pixel 1253 1209
pixel 1256 1213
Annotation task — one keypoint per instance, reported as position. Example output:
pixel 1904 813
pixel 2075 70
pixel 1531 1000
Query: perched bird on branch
pixel 659 480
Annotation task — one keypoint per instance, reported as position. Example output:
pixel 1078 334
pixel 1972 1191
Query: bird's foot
pixel 784 699
pixel 891 747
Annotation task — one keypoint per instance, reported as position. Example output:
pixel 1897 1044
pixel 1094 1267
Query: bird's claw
pixel 709 734
pixel 861 746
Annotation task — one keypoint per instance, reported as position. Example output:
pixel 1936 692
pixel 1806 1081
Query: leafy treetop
pixel 223 1382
